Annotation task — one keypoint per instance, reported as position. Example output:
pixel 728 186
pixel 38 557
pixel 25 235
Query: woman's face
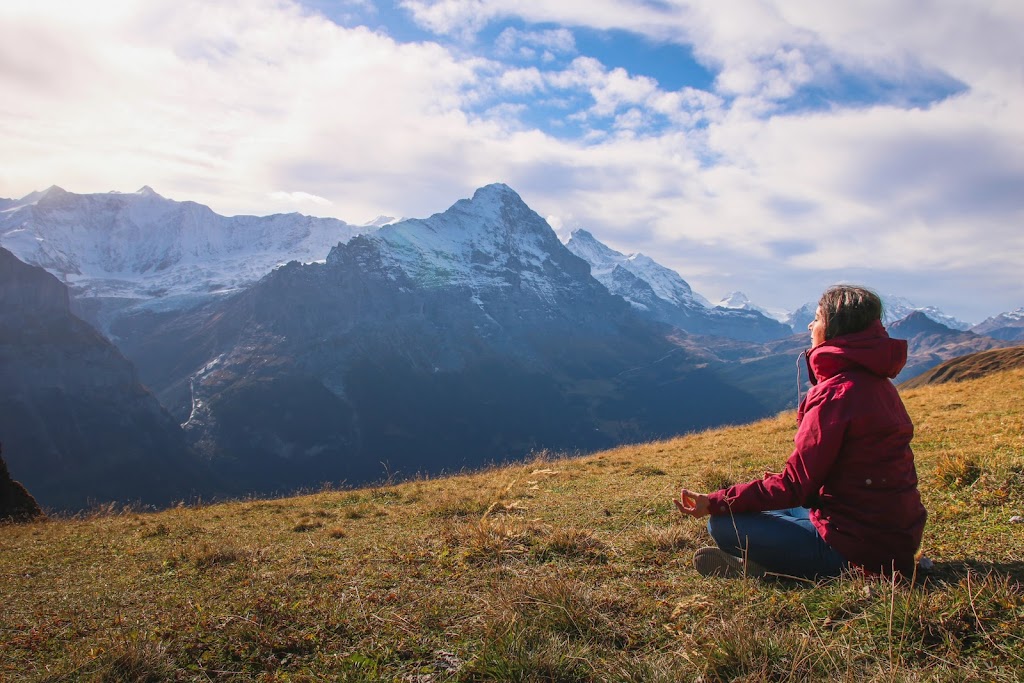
pixel 817 329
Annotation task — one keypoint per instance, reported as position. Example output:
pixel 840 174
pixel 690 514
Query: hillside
pixel 931 343
pixel 560 569
pixel 970 366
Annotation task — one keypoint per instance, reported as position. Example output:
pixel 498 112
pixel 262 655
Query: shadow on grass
pixel 954 571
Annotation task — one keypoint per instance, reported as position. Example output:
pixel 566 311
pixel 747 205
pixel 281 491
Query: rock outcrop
pixel 16 503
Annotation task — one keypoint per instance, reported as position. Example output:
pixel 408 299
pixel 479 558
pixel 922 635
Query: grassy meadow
pixel 555 570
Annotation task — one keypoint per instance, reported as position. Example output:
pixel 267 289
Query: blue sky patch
pixel 847 88
pixel 673 66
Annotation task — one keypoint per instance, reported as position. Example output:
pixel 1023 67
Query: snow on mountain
pixel 381 221
pixel 476 243
pixel 661 294
pixel 897 308
pixel 735 300
pixel 894 308
pixel 1014 316
pixel 666 283
pixel 141 245
pixel 1008 326
pixel 802 317
pixel 740 301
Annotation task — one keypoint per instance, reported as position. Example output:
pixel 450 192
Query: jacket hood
pixel 871 349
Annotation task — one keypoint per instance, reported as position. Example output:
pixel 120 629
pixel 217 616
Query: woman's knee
pixel 723 530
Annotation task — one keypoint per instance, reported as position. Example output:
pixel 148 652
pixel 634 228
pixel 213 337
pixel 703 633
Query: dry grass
pixel 553 570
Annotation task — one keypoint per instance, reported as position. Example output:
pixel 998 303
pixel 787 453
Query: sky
pixel 773 147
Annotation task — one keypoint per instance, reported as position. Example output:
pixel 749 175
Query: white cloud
pixel 521 81
pixel 225 103
pixel 452 17
pixel 512 41
pixel 300 198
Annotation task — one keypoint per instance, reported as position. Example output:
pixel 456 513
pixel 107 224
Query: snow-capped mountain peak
pixel 490 240
pixel 735 300
pixel 602 259
pixel 739 301
pixel 1008 326
pixel 661 293
pixel 139 245
pixel 381 221
pixel 667 284
pixel 897 308
pixel 894 308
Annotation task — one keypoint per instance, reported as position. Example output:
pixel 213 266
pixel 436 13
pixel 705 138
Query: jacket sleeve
pixel 818 441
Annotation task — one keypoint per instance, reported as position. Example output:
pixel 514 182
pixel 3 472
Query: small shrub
pixel 649 471
pixel 714 480
pixel 497 539
pixel 160 529
pixel 672 539
pixel 458 506
pixel 134 661
pixel 569 608
pixel 206 556
pixel 573 544
pixel 957 471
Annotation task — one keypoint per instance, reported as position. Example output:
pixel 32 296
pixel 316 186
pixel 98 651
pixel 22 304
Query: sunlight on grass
pixel 554 569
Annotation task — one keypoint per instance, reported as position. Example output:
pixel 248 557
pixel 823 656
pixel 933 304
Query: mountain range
pixel 269 354
pixel 661 294
pixel 1008 326
pixel 932 343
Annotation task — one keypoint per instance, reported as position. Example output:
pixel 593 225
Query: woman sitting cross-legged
pixel 847 497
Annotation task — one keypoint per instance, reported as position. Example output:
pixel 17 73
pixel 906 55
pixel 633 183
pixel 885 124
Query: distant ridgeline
pixel 424 346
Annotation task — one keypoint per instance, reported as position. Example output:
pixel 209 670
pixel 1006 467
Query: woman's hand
pixel 693 504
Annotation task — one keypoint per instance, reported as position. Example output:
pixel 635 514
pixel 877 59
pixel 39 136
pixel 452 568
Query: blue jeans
pixel 781 541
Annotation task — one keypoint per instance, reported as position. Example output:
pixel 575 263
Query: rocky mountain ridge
pixel 441 343
pixel 146 251
pixel 1007 326
pixel 143 246
pixel 931 343
pixel 661 294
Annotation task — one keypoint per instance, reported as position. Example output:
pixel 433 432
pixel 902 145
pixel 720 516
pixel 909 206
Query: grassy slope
pixel 567 570
pixel 970 366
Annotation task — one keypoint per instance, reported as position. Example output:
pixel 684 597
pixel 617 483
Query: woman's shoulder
pixel 852 389
pixel 846 385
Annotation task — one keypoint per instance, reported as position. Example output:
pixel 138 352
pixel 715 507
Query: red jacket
pixel 852 465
